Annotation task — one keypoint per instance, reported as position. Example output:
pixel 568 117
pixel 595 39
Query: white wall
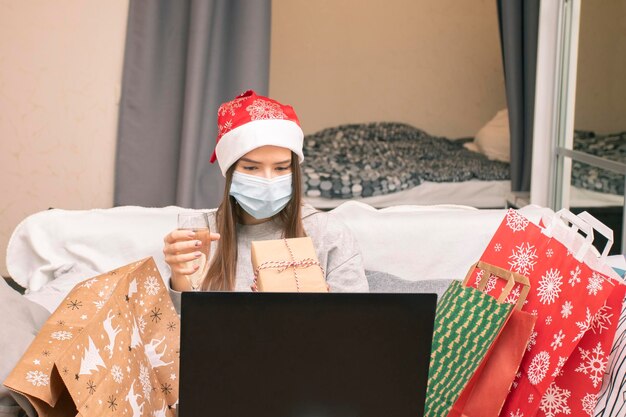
pixel 60 76
pixel 435 64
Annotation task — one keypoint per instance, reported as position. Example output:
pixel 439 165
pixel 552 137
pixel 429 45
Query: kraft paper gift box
pixel 110 348
pixel 287 265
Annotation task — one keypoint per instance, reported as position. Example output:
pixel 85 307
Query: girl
pixel 259 151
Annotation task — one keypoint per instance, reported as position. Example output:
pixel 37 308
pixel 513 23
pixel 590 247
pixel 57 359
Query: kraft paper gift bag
pixel 287 265
pixel 486 392
pixel 566 294
pixel 110 349
pixel 467 324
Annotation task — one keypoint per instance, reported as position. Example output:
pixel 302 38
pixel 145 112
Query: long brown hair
pixel 221 275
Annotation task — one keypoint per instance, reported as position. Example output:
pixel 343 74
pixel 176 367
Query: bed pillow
pixel 494 139
pixel 472 147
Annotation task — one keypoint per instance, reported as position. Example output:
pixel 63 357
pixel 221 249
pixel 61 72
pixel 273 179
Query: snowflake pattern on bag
pixel 593 363
pixel 574 276
pixel 566 309
pixel 538 367
pixel 37 378
pixel 595 284
pixel 558 371
pixel 532 341
pixel 522 259
pixel 550 286
pixel 558 340
pixel 555 401
pixel 583 325
pixel 584 370
pixel 117 374
pixel 61 335
pixel 515 221
pixel 589 403
pixel 570 300
pixel 152 285
pixel 602 319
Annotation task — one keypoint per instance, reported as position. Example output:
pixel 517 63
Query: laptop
pixel 304 355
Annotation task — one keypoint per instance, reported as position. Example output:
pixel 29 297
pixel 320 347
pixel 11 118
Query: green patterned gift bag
pixel 467 323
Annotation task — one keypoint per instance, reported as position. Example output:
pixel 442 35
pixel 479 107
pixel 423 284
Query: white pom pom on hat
pixel 251 121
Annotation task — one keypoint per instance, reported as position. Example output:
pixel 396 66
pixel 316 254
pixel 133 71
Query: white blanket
pixel 51 243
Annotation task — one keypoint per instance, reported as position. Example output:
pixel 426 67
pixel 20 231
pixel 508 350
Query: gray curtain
pixel 519 24
pixel 182 59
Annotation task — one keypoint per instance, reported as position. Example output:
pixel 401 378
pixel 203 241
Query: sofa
pixel 405 249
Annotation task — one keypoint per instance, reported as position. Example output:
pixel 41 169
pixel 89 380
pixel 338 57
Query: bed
pixel 376 163
pixel 386 164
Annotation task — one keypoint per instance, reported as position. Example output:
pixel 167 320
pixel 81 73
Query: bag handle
pixel 605 231
pixel 601 228
pixel 577 224
pixel 510 276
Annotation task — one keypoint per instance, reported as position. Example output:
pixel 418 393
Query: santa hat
pixel 251 121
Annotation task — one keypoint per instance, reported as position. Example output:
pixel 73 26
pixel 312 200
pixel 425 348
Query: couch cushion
pixel 382 282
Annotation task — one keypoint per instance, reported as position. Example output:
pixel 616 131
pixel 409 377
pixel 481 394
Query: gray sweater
pixel 336 248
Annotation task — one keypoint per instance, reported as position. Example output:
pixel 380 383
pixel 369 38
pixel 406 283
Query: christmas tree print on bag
pixel 110 349
pixel 467 324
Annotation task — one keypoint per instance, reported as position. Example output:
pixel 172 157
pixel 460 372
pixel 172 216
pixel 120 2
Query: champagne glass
pixel 197 222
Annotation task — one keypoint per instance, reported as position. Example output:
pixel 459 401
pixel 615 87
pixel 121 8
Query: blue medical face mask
pixel 261 197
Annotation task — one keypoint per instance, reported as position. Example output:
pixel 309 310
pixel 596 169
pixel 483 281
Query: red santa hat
pixel 251 121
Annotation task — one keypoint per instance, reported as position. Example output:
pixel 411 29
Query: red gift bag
pixel 486 391
pixel 565 295
pixel 611 400
pixel 576 386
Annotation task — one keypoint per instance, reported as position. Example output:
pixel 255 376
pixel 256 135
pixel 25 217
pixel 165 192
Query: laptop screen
pixel 304 355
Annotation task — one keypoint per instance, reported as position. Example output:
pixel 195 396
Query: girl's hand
pixel 180 247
